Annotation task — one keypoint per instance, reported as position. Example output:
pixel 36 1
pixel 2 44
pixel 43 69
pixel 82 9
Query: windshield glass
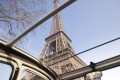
pixel 5 71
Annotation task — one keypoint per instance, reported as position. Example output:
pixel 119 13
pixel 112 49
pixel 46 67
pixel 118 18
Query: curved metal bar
pixel 11 54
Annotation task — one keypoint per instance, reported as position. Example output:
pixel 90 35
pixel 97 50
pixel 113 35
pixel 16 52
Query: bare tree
pixel 17 15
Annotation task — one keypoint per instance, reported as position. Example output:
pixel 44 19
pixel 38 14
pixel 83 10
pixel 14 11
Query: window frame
pixel 5 60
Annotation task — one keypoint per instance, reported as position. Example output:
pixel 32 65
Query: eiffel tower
pixel 58 47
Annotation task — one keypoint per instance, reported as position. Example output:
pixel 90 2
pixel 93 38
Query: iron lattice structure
pixel 58 47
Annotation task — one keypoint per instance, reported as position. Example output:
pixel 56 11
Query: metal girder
pixel 100 66
pixel 42 20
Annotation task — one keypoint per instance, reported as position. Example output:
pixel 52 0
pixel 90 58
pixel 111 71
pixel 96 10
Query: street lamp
pixel 94 76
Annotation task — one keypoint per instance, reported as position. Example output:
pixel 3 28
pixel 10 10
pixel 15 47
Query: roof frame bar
pixel 99 66
pixel 41 21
